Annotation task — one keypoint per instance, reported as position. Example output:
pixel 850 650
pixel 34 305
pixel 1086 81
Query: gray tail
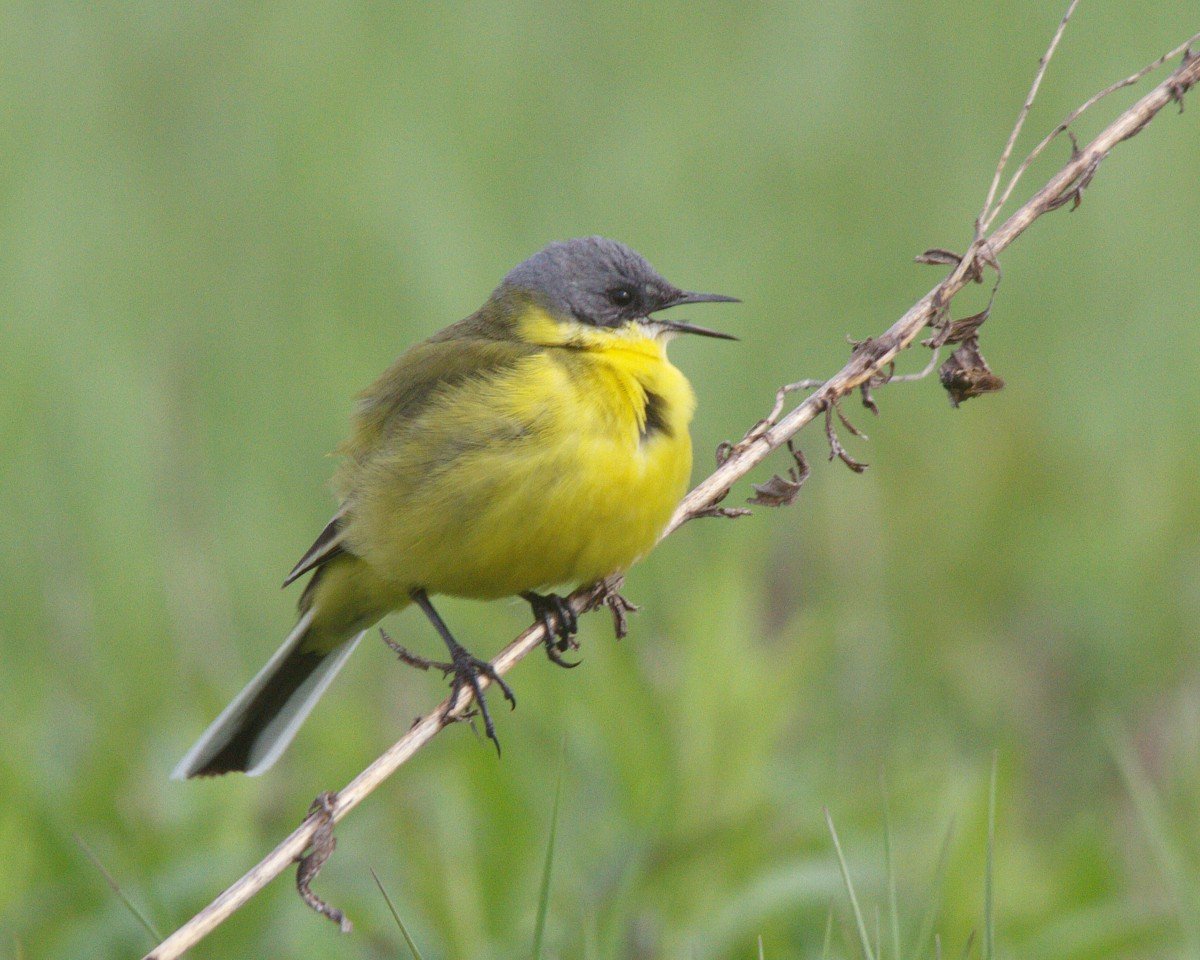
pixel 263 719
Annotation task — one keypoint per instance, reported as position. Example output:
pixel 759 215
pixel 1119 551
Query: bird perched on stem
pixel 541 441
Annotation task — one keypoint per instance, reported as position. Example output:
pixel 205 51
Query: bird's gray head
pixel 603 283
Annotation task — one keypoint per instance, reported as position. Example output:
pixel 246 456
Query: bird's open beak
pixel 686 297
pixel 682 326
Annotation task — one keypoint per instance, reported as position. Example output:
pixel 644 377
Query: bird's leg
pixel 404 655
pixel 467 668
pixel 413 660
pixel 559 621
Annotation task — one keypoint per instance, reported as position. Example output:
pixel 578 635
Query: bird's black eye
pixel 620 296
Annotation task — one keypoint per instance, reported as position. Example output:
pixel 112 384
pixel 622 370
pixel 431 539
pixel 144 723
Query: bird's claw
pixel 618 606
pixel 467 669
pixel 560 623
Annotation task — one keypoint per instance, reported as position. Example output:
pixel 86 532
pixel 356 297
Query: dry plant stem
pixel 877 353
pixel 934 359
pixel 1090 102
pixel 989 214
pixel 867 361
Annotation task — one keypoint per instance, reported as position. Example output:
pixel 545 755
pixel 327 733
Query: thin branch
pixel 1090 102
pixel 935 357
pixel 866 362
pixel 878 352
pixel 988 214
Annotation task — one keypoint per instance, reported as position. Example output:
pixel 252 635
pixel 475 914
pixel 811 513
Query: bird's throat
pixel 538 326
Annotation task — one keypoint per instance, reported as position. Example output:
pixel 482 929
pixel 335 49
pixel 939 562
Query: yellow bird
pixel 541 441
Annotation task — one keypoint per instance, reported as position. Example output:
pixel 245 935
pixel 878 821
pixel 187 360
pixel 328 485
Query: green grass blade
pixel 760 948
pixel 989 872
pixel 539 929
pixel 890 869
pixel 396 916
pixel 935 895
pixel 1156 825
pixel 116 888
pixel 828 934
pixel 863 938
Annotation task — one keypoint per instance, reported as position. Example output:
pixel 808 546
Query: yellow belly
pixel 556 472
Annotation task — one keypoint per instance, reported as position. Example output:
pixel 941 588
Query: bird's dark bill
pixel 692 297
pixel 682 326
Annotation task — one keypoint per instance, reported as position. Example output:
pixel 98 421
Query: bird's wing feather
pixel 327 546
pixel 427 370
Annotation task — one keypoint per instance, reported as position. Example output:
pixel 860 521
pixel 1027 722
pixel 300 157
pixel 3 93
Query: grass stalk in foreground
pixel 396 916
pixel 116 888
pixel 989 887
pixel 926 933
pixel 890 871
pixel 887 939
pixel 864 939
pixel 539 929
pixel 1148 806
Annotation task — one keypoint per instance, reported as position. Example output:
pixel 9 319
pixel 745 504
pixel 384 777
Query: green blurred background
pixel 219 221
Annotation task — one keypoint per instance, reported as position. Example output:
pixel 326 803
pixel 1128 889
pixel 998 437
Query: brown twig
pixel 988 213
pixel 867 362
pixel 1090 102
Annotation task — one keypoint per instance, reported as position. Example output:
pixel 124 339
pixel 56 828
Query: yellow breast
pixel 630 457
pixel 563 469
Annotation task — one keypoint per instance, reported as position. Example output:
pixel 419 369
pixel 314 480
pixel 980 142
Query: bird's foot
pixel 559 620
pixel 617 605
pixel 468 669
